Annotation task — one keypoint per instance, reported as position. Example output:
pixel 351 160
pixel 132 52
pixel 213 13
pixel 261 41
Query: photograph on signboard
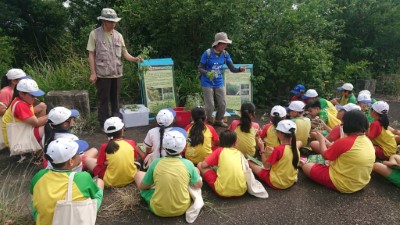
pixel 238 89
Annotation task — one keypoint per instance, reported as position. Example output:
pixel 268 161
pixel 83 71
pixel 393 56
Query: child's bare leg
pixel 382 169
pixel 307 168
pixel 315 146
pixel 139 177
pixel 91 153
pixel 100 183
pixel 90 163
pixel 254 167
pixel 201 169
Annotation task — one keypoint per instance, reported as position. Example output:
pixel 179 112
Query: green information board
pixel 157 83
pixel 238 87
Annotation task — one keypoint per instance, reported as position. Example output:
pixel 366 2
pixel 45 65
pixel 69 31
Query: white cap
pixel 297 106
pixel 63 149
pixel 310 93
pixel 14 74
pixel 113 124
pixel 365 92
pixel 60 114
pixel 348 107
pixel 174 141
pixel 29 86
pixel 285 126
pixel 165 117
pixel 364 98
pixel 380 107
pixel 280 110
pixel 345 87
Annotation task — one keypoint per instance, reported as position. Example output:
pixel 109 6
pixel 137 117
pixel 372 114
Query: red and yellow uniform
pixel 383 140
pixel 229 180
pixel 352 159
pixel 49 186
pixel 282 174
pixel 171 177
pixel 198 153
pixel 246 142
pixel 268 134
pixel 120 169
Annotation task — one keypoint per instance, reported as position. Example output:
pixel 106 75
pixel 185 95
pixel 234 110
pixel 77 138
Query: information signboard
pixel 238 87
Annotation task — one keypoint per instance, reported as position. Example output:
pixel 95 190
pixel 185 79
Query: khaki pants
pixel 216 95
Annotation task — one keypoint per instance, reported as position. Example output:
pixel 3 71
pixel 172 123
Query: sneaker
pixel 220 124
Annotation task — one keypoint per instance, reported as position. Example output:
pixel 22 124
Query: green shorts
pixel 394 177
pixel 147 195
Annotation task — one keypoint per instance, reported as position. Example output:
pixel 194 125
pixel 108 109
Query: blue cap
pixel 299 88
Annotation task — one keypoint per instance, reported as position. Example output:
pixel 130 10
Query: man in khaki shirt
pixel 106 46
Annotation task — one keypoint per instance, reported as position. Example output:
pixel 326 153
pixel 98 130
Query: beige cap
pixel 109 15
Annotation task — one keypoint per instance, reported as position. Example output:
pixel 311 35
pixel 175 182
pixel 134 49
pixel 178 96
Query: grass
pixel 14 195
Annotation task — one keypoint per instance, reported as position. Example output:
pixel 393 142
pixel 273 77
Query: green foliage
pixel 193 101
pixel 6 52
pixel 186 83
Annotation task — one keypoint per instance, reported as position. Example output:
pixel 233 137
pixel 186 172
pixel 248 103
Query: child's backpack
pixel 208 57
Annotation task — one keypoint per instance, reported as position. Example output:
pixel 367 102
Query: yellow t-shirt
pixel 352 159
pixel 121 168
pixel 246 142
pixel 199 152
pixel 333 121
pixel 383 138
pixel 303 128
pixel 230 175
pixel 282 174
pixel 49 186
pixel 269 135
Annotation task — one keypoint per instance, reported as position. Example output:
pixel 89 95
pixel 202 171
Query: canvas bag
pixel 68 212
pixel 254 187
pixel 194 210
pixel 21 139
pixel 2 145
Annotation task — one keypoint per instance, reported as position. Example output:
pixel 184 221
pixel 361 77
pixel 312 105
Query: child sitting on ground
pixel 247 131
pixel 298 92
pixel 311 95
pixel 49 186
pixel 364 101
pixel 165 185
pixel 347 96
pixel 202 136
pixel 154 137
pixel 303 124
pixel 268 133
pixel 60 122
pixel 280 168
pixel 383 139
pixel 228 180
pixel 351 158
pixel 116 161
pixel 389 169
pixel 320 118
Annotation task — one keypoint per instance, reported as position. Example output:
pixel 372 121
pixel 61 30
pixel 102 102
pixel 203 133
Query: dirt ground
pixel 305 203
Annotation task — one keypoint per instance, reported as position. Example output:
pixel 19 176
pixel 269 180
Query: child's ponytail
pixel 384 120
pixel 196 135
pixel 247 110
pixel 276 118
pixel 162 130
pixel 293 145
pixel 112 146
pixel 49 134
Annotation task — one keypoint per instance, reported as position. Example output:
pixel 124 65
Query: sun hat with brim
pixel 14 74
pixel 29 86
pixel 109 15
pixel 63 149
pixel 280 110
pixel 364 98
pixel 113 124
pixel 285 126
pixel 298 89
pixel 297 106
pixel 221 37
pixel 59 114
pixel 380 107
pixel 165 117
pixel 310 93
pixel 348 107
pixel 174 141
pixel 345 87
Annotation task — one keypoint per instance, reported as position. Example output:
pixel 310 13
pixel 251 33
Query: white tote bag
pixel 2 145
pixel 194 210
pixel 21 139
pixel 68 212
pixel 254 187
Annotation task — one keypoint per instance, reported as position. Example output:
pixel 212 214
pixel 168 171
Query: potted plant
pixel 183 114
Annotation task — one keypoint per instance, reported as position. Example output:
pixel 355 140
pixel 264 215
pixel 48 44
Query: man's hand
pixel 93 78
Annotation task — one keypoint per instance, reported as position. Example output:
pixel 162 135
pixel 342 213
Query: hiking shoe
pixel 220 124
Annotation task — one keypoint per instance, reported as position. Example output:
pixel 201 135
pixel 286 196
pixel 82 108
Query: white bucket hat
pixel 221 37
pixel 345 87
pixel 113 124
pixel 297 106
pixel 63 149
pixel 349 107
pixel 59 114
pixel 280 110
pixel 14 74
pixel 285 126
pixel 29 86
pixel 109 15
pixel 174 141
pixel 380 107
pixel 165 117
